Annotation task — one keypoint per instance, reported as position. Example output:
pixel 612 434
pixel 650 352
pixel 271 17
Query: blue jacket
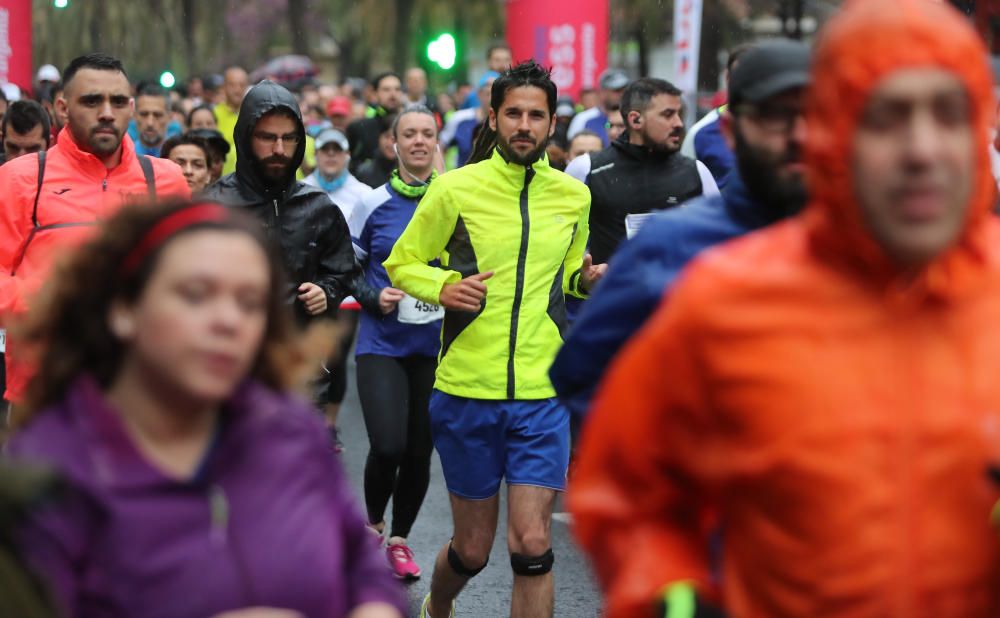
pixel 460 131
pixel 705 142
pixel 376 223
pixel 592 119
pixel 711 149
pixel 637 276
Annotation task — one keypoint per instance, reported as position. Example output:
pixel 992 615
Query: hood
pixel 866 42
pixel 263 98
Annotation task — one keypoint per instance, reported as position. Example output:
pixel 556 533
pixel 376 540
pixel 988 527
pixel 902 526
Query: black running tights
pixel 395 394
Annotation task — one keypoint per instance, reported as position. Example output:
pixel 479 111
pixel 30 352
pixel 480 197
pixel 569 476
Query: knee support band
pixel 459 567
pixel 532 565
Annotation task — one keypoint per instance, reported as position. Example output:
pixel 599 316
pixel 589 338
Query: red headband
pixel 167 227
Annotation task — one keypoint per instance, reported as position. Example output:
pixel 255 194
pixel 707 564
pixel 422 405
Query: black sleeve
pixel 356 142
pixel 337 267
pixel 366 295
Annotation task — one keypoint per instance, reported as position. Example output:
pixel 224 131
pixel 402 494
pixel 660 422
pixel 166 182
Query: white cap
pixel 11 92
pixel 48 73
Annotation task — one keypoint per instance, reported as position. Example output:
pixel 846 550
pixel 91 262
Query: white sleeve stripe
pixel 708 184
pixel 364 209
pixel 579 168
pixel 579 122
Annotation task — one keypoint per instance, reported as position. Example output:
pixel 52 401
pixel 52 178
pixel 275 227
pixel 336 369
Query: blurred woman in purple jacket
pixel 198 487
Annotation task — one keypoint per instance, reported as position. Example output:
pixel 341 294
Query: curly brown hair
pixel 67 333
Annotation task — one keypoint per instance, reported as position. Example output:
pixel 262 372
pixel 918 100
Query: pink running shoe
pixel 401 561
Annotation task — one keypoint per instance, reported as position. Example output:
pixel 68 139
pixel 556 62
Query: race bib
pixel 413 311
pixel 634 223
pixel 3 341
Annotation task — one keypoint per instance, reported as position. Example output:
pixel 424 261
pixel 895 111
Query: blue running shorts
pixel 482 441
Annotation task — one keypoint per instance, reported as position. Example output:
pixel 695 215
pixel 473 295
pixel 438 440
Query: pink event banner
pixel 15 42
pixel 571 36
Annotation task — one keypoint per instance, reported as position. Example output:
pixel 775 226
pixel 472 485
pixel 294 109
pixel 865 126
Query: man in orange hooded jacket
pixel 87 176
pixel 828 387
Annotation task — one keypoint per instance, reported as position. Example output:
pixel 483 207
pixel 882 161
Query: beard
pixel 664 147
pixel 273 175
pixel 759 171
pixel 102 144
pixel 150 139
pixel 514 156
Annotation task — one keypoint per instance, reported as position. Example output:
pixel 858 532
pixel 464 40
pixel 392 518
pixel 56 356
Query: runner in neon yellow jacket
pixel 527 225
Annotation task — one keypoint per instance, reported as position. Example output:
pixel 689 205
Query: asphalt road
pixel 488 594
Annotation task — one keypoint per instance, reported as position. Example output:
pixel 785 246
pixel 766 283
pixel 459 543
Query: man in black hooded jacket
pixel 301 221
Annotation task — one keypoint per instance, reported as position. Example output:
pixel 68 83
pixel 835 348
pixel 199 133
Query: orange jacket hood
pixel 866 42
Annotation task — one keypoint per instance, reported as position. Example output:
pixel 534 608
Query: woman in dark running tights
pixel 397 345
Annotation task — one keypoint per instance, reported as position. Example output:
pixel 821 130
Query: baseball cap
pixel 613 79
pixel 48 73
pixel 331 136
pixel 769 68
pixel 338 106
pixel 564 107
pixel 11 92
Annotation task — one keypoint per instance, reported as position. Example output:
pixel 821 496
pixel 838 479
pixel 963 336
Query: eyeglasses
pixel 288 139
pixel 773 117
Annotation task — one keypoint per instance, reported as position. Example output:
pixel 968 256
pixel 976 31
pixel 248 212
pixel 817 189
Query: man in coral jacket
pixel 87 176
pixel 828 386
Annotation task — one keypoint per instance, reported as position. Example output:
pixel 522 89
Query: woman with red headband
pixel 196 485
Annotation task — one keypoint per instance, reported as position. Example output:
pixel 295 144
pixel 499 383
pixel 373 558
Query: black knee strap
pixel 459 567
pixel 532 565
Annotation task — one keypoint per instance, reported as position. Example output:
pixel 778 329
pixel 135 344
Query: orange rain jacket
pixel 838 419
pixel 77 191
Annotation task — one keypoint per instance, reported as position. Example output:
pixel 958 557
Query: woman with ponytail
pixel 397 345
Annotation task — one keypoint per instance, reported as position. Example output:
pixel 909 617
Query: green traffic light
pixel 167 79
pixel 442 51
pixel 61 4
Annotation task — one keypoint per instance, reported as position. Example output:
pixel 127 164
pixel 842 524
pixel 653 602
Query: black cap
pixel 769 68
pixel 213 137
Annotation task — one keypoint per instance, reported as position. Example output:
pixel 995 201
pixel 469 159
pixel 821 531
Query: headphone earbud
pixel 122 326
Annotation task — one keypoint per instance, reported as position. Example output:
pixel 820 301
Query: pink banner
pixel 15 42
pixel 571 36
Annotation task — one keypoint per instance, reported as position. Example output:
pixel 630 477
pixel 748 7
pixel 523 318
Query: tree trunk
pixel 401 39
pixel 191 57
pixel 642 42
pixel 711 43
pixel 97 21
pixel 298 32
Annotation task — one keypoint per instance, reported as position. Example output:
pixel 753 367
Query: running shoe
pixel 401 561
pixel 426 614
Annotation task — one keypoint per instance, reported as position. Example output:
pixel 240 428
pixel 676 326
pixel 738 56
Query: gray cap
pixel 613 79
pixel 769 68
pixel 331 136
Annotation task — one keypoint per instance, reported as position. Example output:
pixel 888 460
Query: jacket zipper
pixel 219 514
pixel 275 208
pixel 219 509
pixel 522 258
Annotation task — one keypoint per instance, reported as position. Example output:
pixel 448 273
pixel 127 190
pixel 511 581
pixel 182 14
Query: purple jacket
pixel 268 520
